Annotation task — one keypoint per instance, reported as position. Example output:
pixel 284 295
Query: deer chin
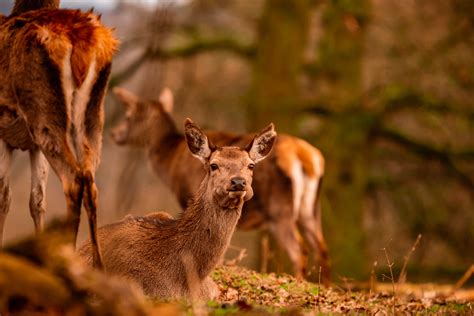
pixel 119 137
pixel 230 199
pixel 249 194
pixel 120 142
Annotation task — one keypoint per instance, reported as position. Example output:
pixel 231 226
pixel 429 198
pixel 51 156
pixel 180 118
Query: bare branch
pixel 198 46
pixel 390 265
pixel 444 155
pixel 463 279
pixel 403 273
pixel 413 100
pixel 201 45
pixel 129 70
pixel 420 148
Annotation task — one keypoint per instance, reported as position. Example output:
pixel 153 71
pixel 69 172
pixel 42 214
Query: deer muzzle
pixel 119 135
pixel 237 184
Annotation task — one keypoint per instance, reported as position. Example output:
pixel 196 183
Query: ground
pixel 248 292
pixel 44 276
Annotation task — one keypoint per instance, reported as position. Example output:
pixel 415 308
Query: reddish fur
pixel 59 30
pixel 149 124
pixel 34 45
pixel 172 258
pixel 290 148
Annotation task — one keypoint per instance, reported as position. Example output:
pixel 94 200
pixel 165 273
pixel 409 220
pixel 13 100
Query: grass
pixel 246 292
pixel 32 274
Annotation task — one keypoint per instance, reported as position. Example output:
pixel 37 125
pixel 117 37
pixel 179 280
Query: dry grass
pixel 242 289
pixel 38 278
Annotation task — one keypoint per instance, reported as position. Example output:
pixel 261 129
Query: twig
pixel 242 254
pixel 373 279
pixel 346 283
pixel 463 279
pixel 191 49
pixel 403 273
pixel 319 284
pixel 390 265
pixel 444 155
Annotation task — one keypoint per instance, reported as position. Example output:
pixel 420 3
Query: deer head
pixel 229 169
pixel 142 117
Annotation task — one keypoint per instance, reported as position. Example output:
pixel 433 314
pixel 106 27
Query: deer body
pixel 286 185
pixel 174 257
pixel 54 69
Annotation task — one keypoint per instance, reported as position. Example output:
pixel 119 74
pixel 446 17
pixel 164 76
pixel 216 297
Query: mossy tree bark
pixel 282 37
pixel 276 93
pixel 345 144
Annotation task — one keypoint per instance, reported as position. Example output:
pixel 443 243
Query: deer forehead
pixel 231 156
pixel 139 109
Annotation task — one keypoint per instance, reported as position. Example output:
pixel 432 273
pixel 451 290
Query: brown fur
pixel 174 257
pixel 59 30
pixel 34 115
pixel 290 148
pixel 149 124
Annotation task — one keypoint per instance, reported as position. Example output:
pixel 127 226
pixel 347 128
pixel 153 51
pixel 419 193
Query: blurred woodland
pixel 384 88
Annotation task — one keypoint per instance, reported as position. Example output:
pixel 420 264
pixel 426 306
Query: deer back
pixel 56 42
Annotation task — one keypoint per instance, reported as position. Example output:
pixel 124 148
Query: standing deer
pixel 174 257
pixel 54 69
pixel 287 184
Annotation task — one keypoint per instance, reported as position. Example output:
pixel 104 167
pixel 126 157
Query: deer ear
pixel 262 143
pixel 125 96
pixel 167 100
pixel 198 143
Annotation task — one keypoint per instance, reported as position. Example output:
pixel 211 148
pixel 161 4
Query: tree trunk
pixel 345 138
pixel 282 37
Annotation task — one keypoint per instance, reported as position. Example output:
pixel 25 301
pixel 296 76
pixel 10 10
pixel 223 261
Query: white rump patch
pixel 77 99
pixel 311 185
pixel 297 180
pixel 318 165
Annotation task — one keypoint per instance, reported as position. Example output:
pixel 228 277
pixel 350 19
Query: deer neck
pixel 208 228
pixel 162 147
pixel 22 6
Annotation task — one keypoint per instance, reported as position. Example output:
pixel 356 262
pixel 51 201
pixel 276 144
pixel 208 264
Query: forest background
pixel 384 88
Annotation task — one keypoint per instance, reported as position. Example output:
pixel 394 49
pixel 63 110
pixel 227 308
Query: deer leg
pixel 55 147
pixel 313 235
pixel 286 234
pixel 90 204
pixel 53 142
pixel 39 177
pixel 5 163
pixel 44 98
pixel 90 152
pixel 90 140
pixel 72 179
pixel 309 220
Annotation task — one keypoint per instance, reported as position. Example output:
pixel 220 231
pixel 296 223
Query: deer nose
pixel 118 136
pixel 237 184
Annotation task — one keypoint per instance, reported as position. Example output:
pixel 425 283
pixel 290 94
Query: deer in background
pixel 172 258
pixel 54 69
pixel 286 185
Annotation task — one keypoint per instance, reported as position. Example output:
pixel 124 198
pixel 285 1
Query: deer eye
pixel 214 166
pixel 251 166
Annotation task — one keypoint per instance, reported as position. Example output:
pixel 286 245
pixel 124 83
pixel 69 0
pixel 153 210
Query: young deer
pixel 286 185
pixel 173 257
pixel 54 69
